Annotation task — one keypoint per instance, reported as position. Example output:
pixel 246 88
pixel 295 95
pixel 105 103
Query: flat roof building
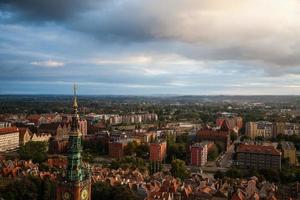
pixel 289 152
pixel 158 151
pixel 258 156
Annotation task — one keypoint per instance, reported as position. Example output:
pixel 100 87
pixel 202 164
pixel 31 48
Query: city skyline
pixel 128 47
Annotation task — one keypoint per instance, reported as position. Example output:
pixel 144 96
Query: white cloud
pixel 136 59
pixel 48 63
pixel 257 30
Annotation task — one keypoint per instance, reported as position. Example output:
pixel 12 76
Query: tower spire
pixel 75 105
pixel 75 118
pixel 77 183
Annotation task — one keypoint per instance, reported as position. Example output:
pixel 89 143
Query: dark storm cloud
pixel 47 10
pixel 150 46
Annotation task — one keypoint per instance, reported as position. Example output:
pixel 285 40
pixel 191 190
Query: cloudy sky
pixel 149 47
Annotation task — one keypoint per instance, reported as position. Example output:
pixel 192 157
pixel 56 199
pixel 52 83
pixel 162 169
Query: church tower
pixel 76 185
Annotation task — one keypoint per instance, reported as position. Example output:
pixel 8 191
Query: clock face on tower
pixel 66 196
pixel 84 194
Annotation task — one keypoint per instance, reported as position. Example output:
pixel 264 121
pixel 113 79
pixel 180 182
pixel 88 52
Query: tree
pixel 128 162
pixel 29 188
pixel 178 169
pixel 234 173
pixel 219 175
pixel 130 148
pixel 176 151
pixel 143 151
pixel 87 156
pixel 123 192
pixel 154 166
pixel 96 146
pixel 233 136
pixel 245 137
pixel 103 191
pixel 220 146
pixel 259 138
pixel 213 153
pixel 182 138
pixel 35 151
pixel 270 174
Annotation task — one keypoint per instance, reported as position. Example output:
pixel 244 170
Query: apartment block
pixel 258 157
pixel 158 151
pixel 289 152
pixel 260 128
pixel 9 138
pixel 199 154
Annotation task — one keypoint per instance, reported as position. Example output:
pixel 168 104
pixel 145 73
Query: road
pixel 226 160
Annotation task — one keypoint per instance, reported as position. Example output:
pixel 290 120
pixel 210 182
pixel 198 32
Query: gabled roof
pixel 8 130
pixel 23 130
pixel 225 126
pixel 50 126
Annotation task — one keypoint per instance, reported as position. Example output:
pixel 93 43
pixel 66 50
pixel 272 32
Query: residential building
pixel 5 124
pixel 278 128
pixel 199 154
pixel 234 123
pixel 9 138
pixel 291 129
pixel 57 161
pixel 25 135
pixel 261 128
pixel 289 152
pixel 59 129
pixel 258 156
pixel 116 148
pixel 158 151
pixel 268 129
pixel 215 135
pixel 40 137
pixel 57 145
pixel 132 118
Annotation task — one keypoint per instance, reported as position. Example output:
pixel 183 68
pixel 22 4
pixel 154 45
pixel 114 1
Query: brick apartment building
pixel 199 154
pixel 158 151
pixel 116 148
pixel 258 157
pixel 220 135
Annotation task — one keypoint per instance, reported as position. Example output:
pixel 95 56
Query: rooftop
pixel 287 145
pixel 8 130
pixel 199 144
pixel 260 149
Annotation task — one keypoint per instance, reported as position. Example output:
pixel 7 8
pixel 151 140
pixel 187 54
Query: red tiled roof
pixel 253 148
pixel 225 126
pixel 8 130
pixel 34 118
pixel 212 133
pixel 50 126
